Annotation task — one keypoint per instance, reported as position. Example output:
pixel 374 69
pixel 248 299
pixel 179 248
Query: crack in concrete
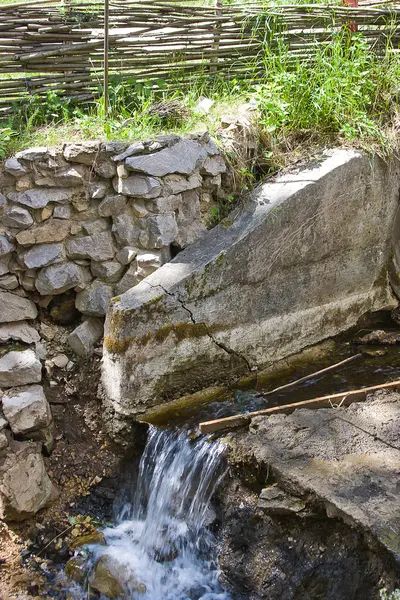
pixel 207 331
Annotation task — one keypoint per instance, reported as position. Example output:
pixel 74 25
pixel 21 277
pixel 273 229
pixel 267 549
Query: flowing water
pixel 160 547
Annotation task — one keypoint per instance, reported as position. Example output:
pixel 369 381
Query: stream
pixel 160 547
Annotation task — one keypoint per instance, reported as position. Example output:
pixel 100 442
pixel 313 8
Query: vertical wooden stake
pixel 106 44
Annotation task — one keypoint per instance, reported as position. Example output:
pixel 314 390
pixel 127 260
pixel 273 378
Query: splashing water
pixel 160 543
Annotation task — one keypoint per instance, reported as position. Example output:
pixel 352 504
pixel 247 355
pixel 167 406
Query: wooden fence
pixel 58 46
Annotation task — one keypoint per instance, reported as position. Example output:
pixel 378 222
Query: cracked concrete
pixel 302 262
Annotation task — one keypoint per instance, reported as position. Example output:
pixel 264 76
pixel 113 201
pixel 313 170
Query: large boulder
pixel 15 308
pixel 19 368
pixel 25 486
pixel 26 409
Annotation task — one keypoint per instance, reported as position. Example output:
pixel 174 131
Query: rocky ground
pixel 312 510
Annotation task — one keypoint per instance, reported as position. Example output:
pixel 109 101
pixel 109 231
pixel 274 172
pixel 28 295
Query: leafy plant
pixel 384 595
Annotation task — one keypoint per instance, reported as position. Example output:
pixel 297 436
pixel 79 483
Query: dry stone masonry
pixel 86 223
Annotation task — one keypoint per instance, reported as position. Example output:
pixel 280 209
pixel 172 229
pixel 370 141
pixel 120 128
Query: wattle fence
pixel 59 46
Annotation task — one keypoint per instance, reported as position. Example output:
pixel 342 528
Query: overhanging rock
pixel 305 259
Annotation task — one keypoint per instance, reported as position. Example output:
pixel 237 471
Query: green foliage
pixel 6 135
pixel 384 595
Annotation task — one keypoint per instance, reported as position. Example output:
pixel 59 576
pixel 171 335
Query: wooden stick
pixel 344 398
pixel 293 383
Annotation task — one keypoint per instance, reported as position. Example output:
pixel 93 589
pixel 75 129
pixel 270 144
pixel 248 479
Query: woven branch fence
pixel 58 46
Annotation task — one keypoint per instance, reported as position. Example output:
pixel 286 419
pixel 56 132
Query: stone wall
pixel 80 225
pixel 302 262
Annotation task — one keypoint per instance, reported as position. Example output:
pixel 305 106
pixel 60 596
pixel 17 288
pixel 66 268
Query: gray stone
pixel 95 226
pixel 213 165
pixel 14 167
pixel 129 280
pixel 112 205
pixel 126 255
pixel 183 157
pixel 162 229
pixel 53 230
pixel 19 368
pixel 69 178
pixel 8 282
pixel 122 171
pixel 109 271
pixel 105 168
pixel 4 268
pixel 19 331
pixel 40 153
pixel 98 189
pixel 15 308
pixel 60 361
pixel 275 501
pixel 17 217
pixel 3 440
pixel 284 275
pixel 5 246
pixel 3 201
pixel 138 186
pixel 94 300
pixel 38 198
pixel 27 281
pixel 126 230
pixel 177 184
pixel 25 486
pixel 147 263
pixel 43 255
pixel 57 279
pixel 83 339
pixel 188 219
pixel 62 212
pixel 26 409
pixel 85 152
pixel 132 150
pixel 139 208
pixel 96 247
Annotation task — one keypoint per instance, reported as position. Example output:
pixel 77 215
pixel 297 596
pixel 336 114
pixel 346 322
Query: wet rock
pixel 274 501
pixel 83 339
pixel 21 331
pixel 380 337
pixel 76 568
pixel 8 282
pixel 162 229
pixel 53 230
pixel 138 186
pixel 96 247
pixel 38 198
pixel 94 300
pixel 26 409
pixel 126 230
pixel 17 217
pixel 57 279
pixel 15 308
pixel 126 255
pixel 19 368
pixel 182 158
pixel 112 205
pixel 104 581
pixel 43 255
pixel 25 486
pixel 97 537
pixel 109 271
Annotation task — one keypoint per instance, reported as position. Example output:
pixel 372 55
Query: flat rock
pixel 8 282
pixel 26 409
pixel 113 204
pixel 182 158
pixel 18 331
pixel 132 150
pixel 25 486
pixel 345 458
pixel 14 167
pixel 93 226
pixel 275 501
pixel 15 308
pixel 43 255
pixel 19 368
pixel 94 300
pixel 84 153
pixel 83 339
pixel 98 246
pixel 57 279
pixel 126 230
pixel 138 186
pixel 53 230
pixel 39 198
pixel 18 217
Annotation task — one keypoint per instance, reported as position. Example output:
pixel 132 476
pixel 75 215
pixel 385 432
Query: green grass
pixel 343 94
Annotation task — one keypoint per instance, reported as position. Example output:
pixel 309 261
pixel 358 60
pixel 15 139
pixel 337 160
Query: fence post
pixel 217 37
pixel 351 24
pixel 106 47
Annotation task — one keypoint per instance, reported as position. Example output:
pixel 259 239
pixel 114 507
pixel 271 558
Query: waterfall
pixel 160 542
